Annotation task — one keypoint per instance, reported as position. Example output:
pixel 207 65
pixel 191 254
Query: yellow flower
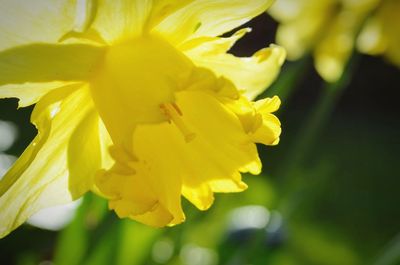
pixel 381 35
pixel 138 101
pixel 331 30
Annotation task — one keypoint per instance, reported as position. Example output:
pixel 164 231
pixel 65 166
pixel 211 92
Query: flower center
pixel 136 83
pixel 174 114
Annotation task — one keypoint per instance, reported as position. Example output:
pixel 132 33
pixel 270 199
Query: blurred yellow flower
pixel 331 29
pixel 138 101
pixel 381 33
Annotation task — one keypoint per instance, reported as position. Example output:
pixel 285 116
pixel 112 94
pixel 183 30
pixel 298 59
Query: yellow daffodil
pixel 381 34
pixel 331 30
pixel 136 100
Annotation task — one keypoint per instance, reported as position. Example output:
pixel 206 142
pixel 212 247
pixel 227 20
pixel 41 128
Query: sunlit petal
pixel 84 154
pixel 29 93
pixel 249 74
pixel 39 178
pixel 23 22
pixel 209 18
pixel 139 16
pixel 48 62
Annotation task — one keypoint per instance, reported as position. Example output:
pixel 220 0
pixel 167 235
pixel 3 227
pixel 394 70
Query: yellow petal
pixel 39 178
pixel 379 36
pixel 116 19
pixel 391 17
pixel 138 16
pixel 201 195
pixel 84 154
pixel 333 51
pixel 301 22
pixel 129 193
pixel 219 134
pixel 209 18
pixel 257 119
pixel 158 217
pixel 23 22
pixel 162 9
pixel 29 93
pixel 287 10
pixel 268 105
pixel 156 180
pixel 251 75
pixel 372 39
pixel 144 190
pixel 41 118
pixel 268 133
pixel 48 62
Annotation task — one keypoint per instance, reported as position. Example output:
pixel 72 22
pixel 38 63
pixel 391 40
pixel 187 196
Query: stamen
pixel 173 112
pixel 177 109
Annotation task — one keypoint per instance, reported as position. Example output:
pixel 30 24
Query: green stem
pixel 305 141
pixel 319 116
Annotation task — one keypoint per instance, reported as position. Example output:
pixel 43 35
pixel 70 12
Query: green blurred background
pixel 328 195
